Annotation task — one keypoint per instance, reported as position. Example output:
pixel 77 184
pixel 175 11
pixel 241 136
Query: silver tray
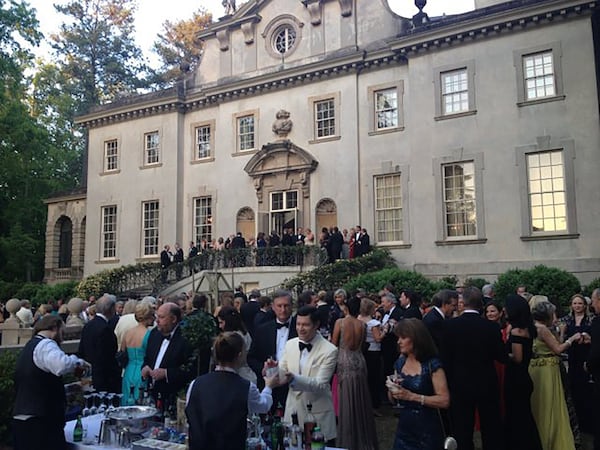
pixel 132 413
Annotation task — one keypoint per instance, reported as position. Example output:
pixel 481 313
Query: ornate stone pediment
pixel 281 160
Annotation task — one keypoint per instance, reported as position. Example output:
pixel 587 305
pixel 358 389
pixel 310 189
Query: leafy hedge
pixel 557 284
pixel 590 287
pixel 8 362
pixel 119 279
pixel 37 293
pixel 375 281
pixel 332 276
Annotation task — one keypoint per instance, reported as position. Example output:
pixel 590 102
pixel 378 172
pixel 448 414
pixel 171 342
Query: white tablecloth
pixel 93 429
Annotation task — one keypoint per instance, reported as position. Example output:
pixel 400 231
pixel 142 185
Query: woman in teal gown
pixel 134 343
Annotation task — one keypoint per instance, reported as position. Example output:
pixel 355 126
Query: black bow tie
pixel 167 337
pixel 281 325
pixel 302 346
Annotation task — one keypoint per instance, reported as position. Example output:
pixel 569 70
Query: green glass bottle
pixel 78 430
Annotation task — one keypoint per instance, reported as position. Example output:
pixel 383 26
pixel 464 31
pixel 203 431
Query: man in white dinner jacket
pixel 308 364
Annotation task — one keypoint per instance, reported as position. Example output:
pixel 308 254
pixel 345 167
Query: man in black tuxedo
pixel 363 243
pixel 265 313
pixel 444 304
pixel 389 343
pixel 409 305
pixel 249 309
pixel 269 341
pixel 470 346
pixel 98 346
pixel 168 361
pixel 178 259
pixel 166 258
pixel 593 364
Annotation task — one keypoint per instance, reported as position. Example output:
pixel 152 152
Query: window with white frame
pixel 111 155
pixel 203 141
pixel 388 207
pixel 150 227
pixel 547 191
pixel 455 91
pixel 108 245
pixel 284 39
pixel 151 148
pixel 203 219
pixel 282 201
pixel 246 132
pixel 460 203
pixel 386 109
pixel 325 118
pixel 538 72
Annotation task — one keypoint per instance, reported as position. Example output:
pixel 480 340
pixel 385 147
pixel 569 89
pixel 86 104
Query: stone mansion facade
pixel 466 144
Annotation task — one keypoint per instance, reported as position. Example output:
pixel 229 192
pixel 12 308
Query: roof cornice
pixel 461 29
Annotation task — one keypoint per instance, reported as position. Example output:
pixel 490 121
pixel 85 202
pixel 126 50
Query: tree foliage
pixel 178 48
pixel 557 284
pixel 96 51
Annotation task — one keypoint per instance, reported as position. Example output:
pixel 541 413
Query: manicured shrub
pixel 332 276
pixel 557 284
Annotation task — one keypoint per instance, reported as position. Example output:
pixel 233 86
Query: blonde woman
pixel 134 343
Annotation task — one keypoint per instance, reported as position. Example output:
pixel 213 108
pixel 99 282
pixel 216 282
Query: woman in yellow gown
pixel 548 403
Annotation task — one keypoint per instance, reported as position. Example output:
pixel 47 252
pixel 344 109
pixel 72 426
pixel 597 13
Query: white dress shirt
pixel 258 402
pixel 163 349
pixel 283 334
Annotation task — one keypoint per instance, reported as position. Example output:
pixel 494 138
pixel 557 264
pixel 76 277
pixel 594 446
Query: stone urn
pixel 75 306
pixel 12 306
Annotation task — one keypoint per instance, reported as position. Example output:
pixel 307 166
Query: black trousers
pixel 39 433
pixel 462 417
pixel 375 378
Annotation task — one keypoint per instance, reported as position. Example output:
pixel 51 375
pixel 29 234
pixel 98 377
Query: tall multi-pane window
pixel 108 246
pixel 386 108
pixel 538 71
pixel 325 118
pixel 460 212
pixel 151 148
pixel 111 155
pixel 245 127
pixel 150 211
pixel 547 196
pixel 203 219
pixel 203 149
pixel 455 91
pixel 388 208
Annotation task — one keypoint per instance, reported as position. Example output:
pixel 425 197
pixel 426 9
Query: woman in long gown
pixel 134 343
pixel 548 403
pixel 356 424
pixel 420 386
pixel 579 320
pixel 521 430
pixel 230 320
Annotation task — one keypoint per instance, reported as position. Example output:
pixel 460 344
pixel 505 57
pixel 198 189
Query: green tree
pixel 178 48
pixel 96 51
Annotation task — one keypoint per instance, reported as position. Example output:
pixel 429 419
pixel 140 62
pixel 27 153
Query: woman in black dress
pixel 521 430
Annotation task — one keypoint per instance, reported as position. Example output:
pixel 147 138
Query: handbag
pixel 122 358
pixel 449 442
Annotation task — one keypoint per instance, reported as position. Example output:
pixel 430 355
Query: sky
pixel 152 14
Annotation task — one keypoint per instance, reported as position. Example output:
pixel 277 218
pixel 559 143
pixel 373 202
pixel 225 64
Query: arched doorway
pixel 65 242
pixel 245 223
pixel 326 214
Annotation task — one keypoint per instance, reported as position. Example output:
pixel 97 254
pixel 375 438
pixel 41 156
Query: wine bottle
pixel 295 433
pixel 78 430
pixel 309 425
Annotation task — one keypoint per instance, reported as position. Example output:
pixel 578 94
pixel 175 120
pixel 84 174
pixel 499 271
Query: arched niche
pixel 326 214
pixel 246 222
pixel 64 228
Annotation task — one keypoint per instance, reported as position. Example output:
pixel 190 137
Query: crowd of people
pixel 344 244
pixel 488 365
